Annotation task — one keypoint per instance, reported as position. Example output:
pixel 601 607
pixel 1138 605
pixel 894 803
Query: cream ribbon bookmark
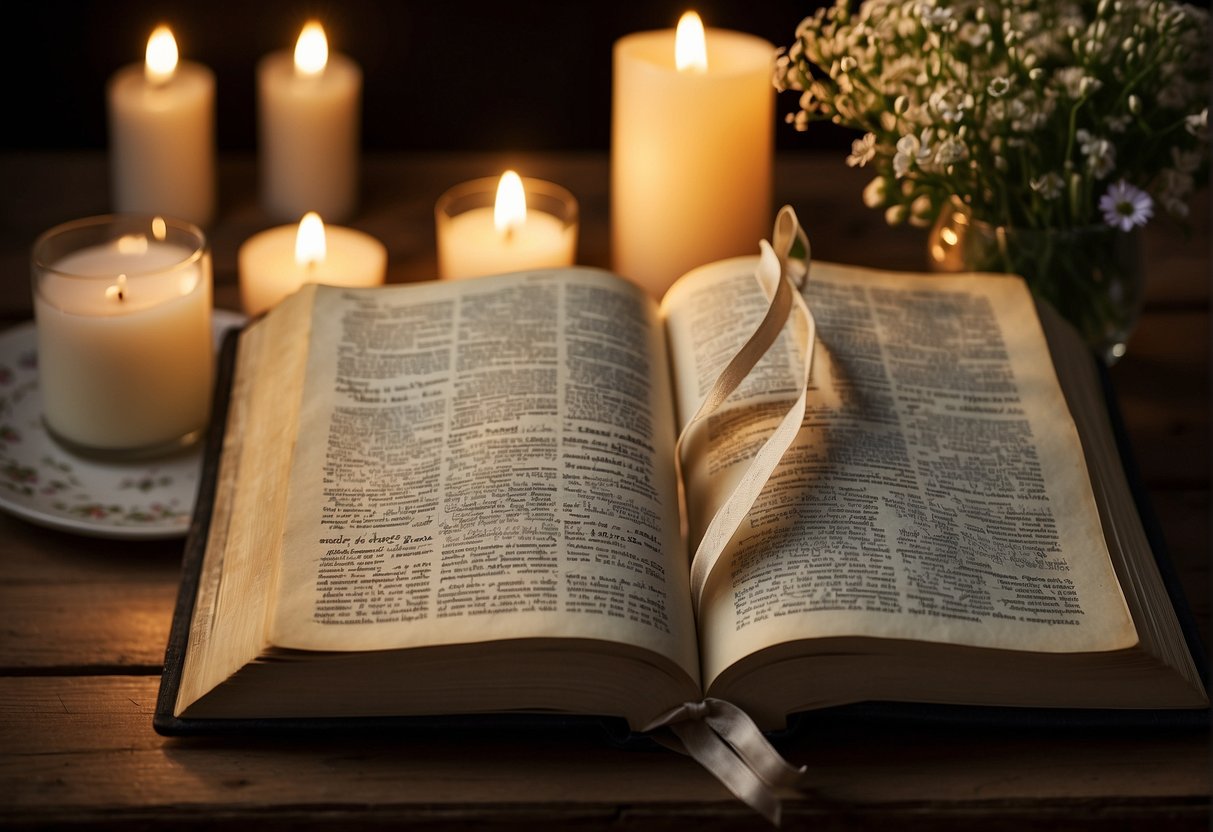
pixel 781 285
pixel 717 734
pixel 723 739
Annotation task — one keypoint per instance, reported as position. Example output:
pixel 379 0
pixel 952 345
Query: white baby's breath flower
pixel 1029 113
pixel 1099 152
pixel 950 151
pixel 974 34
pixel 926 155
pixel 950 104
pixel 934 17
pixel 1020 107
pixel 783 65
pixel 1174 189
pixel 1049 186
pixel 908 148
pixel 999 86
pixel 1125 206
pixel 863 150
pixel 1197 124
pixel 876 192
pixel 1072 80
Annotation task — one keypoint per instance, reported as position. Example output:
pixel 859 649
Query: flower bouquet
pixel 1033 134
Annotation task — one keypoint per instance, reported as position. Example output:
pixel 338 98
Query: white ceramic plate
pixel 45 484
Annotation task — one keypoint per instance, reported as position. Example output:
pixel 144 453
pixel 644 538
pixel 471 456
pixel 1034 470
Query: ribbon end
pixel 725 741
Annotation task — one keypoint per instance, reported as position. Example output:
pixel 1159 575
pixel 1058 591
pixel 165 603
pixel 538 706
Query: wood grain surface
pixel 83 622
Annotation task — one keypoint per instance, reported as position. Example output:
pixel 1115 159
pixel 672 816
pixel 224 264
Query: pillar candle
pixel 490 226
pixel 691 153
pixel 309 108
pixel 276 262
pixel 162 135
pixel 125 351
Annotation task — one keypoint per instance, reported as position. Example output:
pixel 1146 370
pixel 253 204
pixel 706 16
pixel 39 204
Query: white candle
pixel 309 107
pixel 274 263
pixel 492 226
pixel 162 135
pixel 125 352
pixel 691 150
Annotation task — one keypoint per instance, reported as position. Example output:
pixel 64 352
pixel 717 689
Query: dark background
pixel 453 75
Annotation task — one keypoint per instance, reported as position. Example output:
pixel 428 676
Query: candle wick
pixel 117 291
pixel 509 232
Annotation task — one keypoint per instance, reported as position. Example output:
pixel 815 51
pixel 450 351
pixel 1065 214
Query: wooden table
pixel 83 621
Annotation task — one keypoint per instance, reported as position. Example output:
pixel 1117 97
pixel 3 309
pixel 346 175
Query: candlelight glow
pixel 159 228
pixel 161 58
pixel 309 240
pixel 131 244
pixel 509 209
pixel 690 47
pixel 311 50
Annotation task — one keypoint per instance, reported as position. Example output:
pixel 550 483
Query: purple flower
pixel 1125 206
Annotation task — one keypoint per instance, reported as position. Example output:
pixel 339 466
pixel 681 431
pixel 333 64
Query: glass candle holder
pixel 471 243
pixel 125 352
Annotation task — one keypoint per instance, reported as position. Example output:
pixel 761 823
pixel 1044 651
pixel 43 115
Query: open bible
pixel 463 498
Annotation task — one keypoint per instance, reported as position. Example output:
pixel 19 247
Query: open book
pixel 462 497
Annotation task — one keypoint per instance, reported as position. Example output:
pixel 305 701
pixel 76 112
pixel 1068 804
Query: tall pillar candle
pixel 691 151
pixel 125 353
pixel 309 105
pixel 162 135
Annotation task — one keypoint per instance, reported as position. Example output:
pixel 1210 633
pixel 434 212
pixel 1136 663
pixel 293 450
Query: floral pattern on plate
pixel 48 485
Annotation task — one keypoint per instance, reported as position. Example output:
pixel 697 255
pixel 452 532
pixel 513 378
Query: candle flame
pixel 160 61
pixel 310 247
pixel 118 290
pixel 509 209
pixel 159 229
pixel 690 46
pixel 311 50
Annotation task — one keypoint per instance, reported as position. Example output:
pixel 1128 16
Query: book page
pixel 936 491
pixel 228 626
pixel 481 460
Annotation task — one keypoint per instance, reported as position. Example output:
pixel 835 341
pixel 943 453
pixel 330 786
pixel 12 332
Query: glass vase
pixel 1093 275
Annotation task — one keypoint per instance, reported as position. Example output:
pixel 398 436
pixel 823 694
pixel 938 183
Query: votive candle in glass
pixel 125 351
pixel 492 226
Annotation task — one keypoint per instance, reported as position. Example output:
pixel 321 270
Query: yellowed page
pixel 228 628
pixel 937 489
pixel 481 460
